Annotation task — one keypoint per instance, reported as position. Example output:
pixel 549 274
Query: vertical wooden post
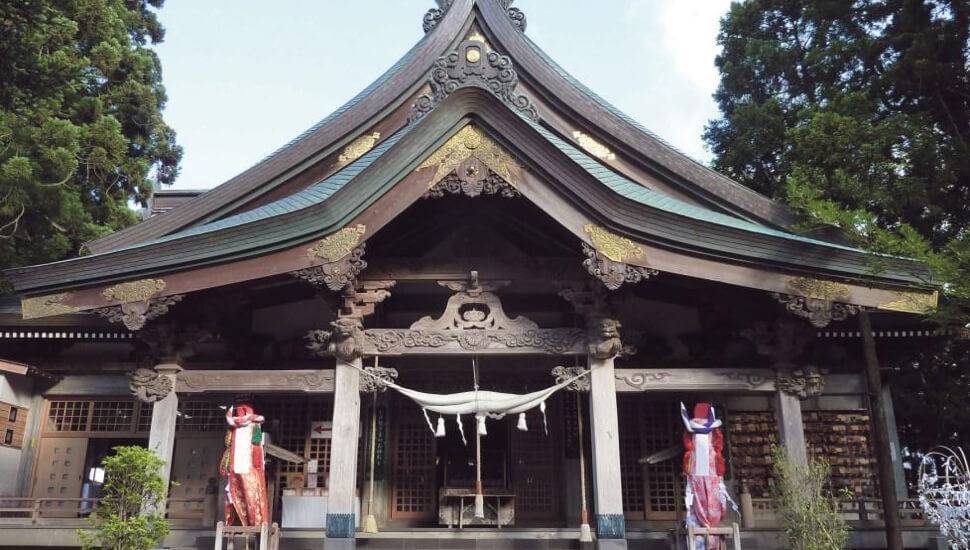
pixel 791 430
pixel 890 504
pixel 161 437
pixel 604 425
pixel 342 485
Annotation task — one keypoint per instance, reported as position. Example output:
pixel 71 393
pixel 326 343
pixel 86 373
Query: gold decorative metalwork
pixel 336 246
pixel 473 55
pixel 593 147
pixel 614 247
pixel 46 306
pixel 913 302
pixel 134 291
pixel 819 289
pixel 476 36
pixel 359 147
pixel 471 143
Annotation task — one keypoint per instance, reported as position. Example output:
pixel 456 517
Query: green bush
pixel 807 509
pixel 127 516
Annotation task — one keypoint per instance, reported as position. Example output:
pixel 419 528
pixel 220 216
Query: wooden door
pixel 651 492
pixel 536 459
pixel 60 473
pixel 413 464
pixel 195 464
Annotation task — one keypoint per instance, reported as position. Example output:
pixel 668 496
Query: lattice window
pixel 751 435
pixel 631 471
pixel 68 416
pixel 536 457
pixel 290 426
pixel 842 439
pixel 414 463
pixel 144 417
pixel 201 417
pixel 112 416
pixel 660 431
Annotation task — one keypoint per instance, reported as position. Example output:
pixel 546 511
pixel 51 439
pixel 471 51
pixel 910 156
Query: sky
pixel 243 78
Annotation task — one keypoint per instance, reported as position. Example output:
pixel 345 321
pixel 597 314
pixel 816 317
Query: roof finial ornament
pixel 435 15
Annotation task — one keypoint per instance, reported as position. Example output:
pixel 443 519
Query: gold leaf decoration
pixel 471 142
pixel 913 302
pixel 593 147
pixel 46 306
pixel 359 147
pixel 134 291
pixel 336 246
pixel 818 289
pixel 614 247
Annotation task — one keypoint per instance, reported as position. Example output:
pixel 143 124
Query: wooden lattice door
pixel 651 492
pixel 60 473
pixel 413 458
pixel 536 460
pixel 195 465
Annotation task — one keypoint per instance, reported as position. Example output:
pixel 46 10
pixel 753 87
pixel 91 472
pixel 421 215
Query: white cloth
pixel 702 455
pixel 242 450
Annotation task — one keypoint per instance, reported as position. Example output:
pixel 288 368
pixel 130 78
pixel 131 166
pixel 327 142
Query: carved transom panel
pixel 475 320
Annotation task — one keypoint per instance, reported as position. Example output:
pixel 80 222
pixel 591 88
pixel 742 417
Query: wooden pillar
pixel 881 438
pixel 791 430
pixel 342 486
pixel 161 437
pixel 604 427
pixel 894 448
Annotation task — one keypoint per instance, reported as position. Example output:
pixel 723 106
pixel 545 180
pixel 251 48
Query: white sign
pixel 321 430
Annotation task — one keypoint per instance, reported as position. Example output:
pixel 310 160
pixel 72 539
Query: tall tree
pixel 82 137
pixel 857 113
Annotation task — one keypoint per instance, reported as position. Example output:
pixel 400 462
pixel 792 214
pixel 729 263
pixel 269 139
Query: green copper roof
pixel 643 195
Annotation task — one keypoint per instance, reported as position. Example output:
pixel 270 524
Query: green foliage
pixel 857 114
pixel 81 131
pixel 809 512
pixel 131 483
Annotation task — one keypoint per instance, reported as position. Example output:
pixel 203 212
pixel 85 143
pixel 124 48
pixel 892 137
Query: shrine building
pixel 475 219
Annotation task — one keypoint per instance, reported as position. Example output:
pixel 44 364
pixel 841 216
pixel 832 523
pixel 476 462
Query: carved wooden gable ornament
pixel 474 320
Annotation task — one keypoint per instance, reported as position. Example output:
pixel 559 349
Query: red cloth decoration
pixel 243 468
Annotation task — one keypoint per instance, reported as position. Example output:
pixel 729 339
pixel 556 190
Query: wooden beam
pixel 727 380
pixel 268 381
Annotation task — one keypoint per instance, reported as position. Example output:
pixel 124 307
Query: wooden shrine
pixel 476 203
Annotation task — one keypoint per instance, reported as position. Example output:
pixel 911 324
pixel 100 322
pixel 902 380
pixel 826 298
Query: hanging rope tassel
pixel 522 426
pixel 481 425
pixel 461 430
pixel 440 432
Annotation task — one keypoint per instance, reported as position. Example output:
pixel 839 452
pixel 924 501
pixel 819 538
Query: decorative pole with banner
pixel 578 386
pixel 374 384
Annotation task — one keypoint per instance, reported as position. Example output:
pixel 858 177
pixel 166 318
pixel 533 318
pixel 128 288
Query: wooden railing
pixel 856 511
pixel 74 511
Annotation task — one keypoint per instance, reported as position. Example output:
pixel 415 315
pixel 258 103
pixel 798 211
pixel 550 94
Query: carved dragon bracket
pixel 818 301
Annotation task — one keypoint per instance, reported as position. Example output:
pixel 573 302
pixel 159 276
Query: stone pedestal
pixel 791 430
pixel 604 426
pixel 161 437
pixel 342 486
